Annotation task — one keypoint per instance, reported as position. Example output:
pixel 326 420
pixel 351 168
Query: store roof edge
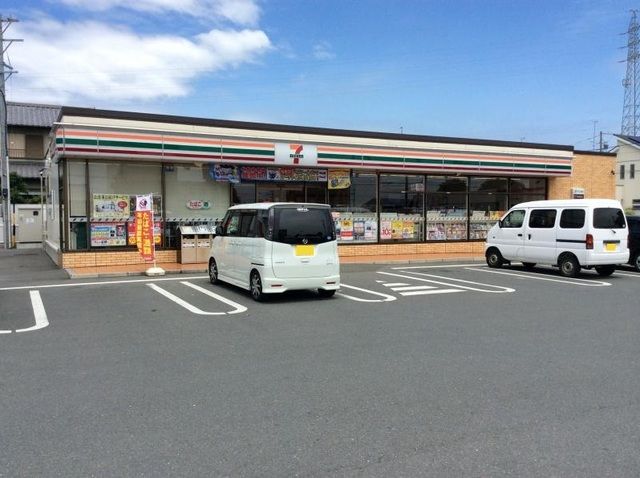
pixel 187 120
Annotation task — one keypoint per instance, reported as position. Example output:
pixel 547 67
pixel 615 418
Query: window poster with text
pixel 108 234
pixel 110 206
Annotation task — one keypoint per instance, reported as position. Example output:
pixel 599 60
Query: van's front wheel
pixel 256 287
pixel 325 294
pixel 494 258
pixel 636 262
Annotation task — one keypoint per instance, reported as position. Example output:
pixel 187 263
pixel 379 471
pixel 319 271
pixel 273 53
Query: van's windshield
pixel 608 218
pixel 302 225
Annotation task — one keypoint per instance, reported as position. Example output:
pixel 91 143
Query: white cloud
pixel 323 51
pixel 242 12
pixel 70 63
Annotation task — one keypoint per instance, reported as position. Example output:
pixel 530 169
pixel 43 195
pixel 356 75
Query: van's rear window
pixel 303 225
pixel 608 218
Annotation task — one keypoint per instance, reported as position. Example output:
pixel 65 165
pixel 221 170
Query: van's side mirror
pixel 218 231
pixel 500 223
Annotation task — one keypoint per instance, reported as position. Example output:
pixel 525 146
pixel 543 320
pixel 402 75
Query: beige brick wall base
pixel 72 260
pixel 411 249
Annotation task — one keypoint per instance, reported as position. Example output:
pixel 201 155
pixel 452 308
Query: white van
pixel 570 234
pixel 273 247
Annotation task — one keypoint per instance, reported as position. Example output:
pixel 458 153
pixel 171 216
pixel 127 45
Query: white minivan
pixel 570 234
pixel 269 248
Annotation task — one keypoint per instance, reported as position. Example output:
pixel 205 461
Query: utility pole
pixel 6 71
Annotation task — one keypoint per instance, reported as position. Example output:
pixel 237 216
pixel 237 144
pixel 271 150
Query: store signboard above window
pixel 224 173
pixel 296 154
pixel 256 173
pixel 198 204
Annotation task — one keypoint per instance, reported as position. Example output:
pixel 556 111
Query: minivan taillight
pixel 589 241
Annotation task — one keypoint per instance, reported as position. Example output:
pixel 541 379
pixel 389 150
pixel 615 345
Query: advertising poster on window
pixel 408 230
pixel 108 234
pixel 370 230
pixel 110 206
pixel 346 230
pixel 435 231
pixel 224 173
pixel 339 179
pixel 396 229
pixel 358 230
pixel 385 230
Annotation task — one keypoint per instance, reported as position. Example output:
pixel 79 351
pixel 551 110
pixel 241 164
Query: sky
pixel 543 71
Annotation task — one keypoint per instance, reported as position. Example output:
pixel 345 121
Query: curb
pixel 103 275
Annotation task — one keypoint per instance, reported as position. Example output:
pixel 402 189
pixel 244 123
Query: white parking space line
pixel 413 287
pixel 430 292
pixel 457 283
pixel 38 312
pixel 101 283
pixel 433 267
pixel 192 308
pixel 533 276
pixel 385 297
pixel 627 274
pixel 237 308
pixel 5 331
pixel 391 284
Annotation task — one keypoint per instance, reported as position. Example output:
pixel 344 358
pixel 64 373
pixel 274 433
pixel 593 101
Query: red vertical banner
pixel 144 228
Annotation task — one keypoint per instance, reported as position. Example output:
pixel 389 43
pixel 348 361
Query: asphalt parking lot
pixel 410 370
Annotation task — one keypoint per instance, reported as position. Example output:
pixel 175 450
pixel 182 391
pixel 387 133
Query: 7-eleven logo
pixel 296 154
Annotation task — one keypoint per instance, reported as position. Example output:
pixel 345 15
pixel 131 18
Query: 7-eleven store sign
pixel 296 154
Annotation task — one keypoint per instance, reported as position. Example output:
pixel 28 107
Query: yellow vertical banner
pixel 144 227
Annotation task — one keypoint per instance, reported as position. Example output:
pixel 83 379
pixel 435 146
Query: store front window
pixel 354 209
pixel 446 208
pixel 243 193
pixel 401 208
pixel 112 191
pixel 317 193
pixel 526 189
pixel 78 224
pixel 487 204
pixel 279 192
pixel 193 197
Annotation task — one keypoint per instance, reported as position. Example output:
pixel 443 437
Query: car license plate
pixel 304 250
pixel 611 246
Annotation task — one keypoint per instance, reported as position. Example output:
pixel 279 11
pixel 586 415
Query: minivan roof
pixel 268 205
pixel 571 203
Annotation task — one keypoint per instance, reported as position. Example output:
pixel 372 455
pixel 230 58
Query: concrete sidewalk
pixel 27 264
pixel 177 268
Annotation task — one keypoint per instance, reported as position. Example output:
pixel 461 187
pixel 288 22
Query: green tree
pixel 19 192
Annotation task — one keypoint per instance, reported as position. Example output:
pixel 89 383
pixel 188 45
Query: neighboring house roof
pixel 631 140
pixel 31 114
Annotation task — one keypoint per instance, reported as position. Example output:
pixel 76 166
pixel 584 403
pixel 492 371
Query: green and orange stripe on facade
pixel 77 142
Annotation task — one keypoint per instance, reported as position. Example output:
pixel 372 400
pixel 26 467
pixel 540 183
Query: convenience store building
pixel 389 193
